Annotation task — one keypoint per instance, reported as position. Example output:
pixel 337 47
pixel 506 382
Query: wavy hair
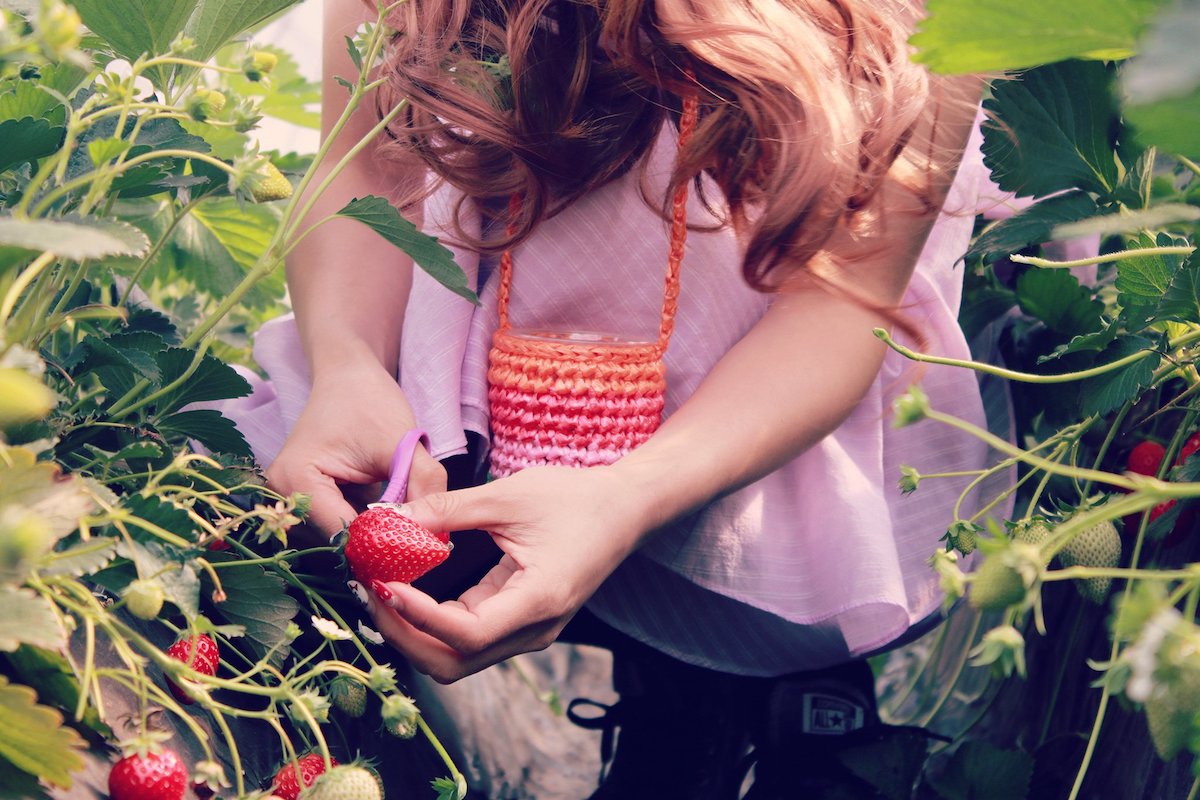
pixel 804 107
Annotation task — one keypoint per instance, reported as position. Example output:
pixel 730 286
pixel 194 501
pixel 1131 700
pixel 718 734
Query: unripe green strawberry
pixel 996 585
pixel 144 598
pixel 1034 533
pixel 269 184
pixel 259 64
pixel 400 715
pixel 204 103
pixel 344 783
pixel 1170 712
pixel 349 695
pixel 1098 546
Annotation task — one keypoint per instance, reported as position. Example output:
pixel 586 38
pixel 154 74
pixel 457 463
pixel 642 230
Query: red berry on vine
pixel 200 653
pixel 154 776
pixel 1191 445
pixel 310 765
pixel 1145 458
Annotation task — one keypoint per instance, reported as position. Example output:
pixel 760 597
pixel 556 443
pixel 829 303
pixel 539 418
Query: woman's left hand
pixel 562 530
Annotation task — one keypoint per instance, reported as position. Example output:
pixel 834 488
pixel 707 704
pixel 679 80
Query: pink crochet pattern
pixel 574 398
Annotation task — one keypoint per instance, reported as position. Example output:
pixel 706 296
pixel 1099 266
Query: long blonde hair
pixel 805 106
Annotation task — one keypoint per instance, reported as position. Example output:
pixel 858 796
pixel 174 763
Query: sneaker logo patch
pixel 825 714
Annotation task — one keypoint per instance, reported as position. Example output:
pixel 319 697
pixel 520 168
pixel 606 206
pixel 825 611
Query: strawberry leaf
pixel 1105 393
pixel 981 771
pixel 1056 297
pixel 1033 225
pixel 258 601
pixel 432 256
pixel 1058 131
pixel 27 618
pixel 82 558
pixel 33 737
pixel 1143 281
pixel 960 36
pixel 208 427
pixel 75 239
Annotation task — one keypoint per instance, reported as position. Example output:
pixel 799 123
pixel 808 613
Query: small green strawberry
pixel 963 536
pixel 348 695
pixel 144 598
pixel 1098 546
pixel 269 184
pixel 1033 532
pixel 344 783
pixel 996 584
pixel 400 716
pixel 1170 712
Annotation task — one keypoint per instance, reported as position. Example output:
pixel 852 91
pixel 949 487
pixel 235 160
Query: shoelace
pixel 606 721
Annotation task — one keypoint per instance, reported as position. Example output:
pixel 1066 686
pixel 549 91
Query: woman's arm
pixel 787 384
pixel 348 288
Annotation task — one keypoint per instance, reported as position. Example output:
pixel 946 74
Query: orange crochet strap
pixel 557 400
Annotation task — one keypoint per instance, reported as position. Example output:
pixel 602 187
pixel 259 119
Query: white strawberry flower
pixel 370 634
pixel 330 629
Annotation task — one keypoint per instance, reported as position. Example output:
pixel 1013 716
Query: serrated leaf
pixel 215 22
pixel 52 677
pixel 134 27
pixel 981 771
pixel 40 488
pixel 220 241
pixel 81 558
pixel 1055 297
pixel 101 151
pixel 161 513
pixel 28 139
pixel 27 618
pixel 288 95
pixel 33 737
pixel 213 379
pixel 258 601
pixel 1032 225
pixel 383 218
pixel 961 36
pixel 1143 280
pixel 76 239
pixel 1053 130
pixel 1088 342
pixel 210 428
pixel 890 762
pixel 1109 391
pixel 1181 301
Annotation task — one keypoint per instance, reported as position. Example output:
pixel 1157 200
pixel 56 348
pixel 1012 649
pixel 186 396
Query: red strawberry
pixel 311 766
pixel 1190 446
pixel 1145 458
pixel 200 653
pixel 385 546
pixel 154 776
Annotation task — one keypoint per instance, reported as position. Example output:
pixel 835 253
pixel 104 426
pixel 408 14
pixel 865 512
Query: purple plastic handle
pixel 397 487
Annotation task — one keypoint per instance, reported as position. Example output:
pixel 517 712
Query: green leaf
pixel 1143 280
pixel 1109 391
pixel 16 784
pixel 288 95
pixel 25 99
pixel 27 139
pixel 981 771
pixel 221 241
pixel 1053 129
pixel 1055 297
pixel 1181 301
pixel 33 737
pixel 75 239
pixel 161 513
pixel 207 426
pixel 960 36
pixel 216 22
pixel 1032 225
pixel 213 379
pixel 383 218
pixel 27 618
pixel 52 677
pixel 135 27
pixel 226 143
pixel 257 600
pixel 81 558
pixel 101 151
pixel 1170 125
pixel 890 762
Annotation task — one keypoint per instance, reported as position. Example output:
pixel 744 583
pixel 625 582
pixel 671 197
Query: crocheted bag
pixel 577 398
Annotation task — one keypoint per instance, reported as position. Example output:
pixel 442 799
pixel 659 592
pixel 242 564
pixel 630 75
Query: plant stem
pixel 1105 258
pixel 22 282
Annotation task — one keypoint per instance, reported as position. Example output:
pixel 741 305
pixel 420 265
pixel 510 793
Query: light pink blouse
pixel 822 559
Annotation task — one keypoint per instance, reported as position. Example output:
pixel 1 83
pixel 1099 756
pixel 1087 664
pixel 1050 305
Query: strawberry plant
pixel 1081 299
pixel 159 617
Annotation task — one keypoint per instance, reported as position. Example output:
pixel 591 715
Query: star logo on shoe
pixel 827 715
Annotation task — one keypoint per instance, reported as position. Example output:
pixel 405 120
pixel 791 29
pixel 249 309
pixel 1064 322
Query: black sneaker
pixel 678 732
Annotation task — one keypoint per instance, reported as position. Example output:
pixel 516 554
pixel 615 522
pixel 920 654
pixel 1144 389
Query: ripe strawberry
pixel 1190 446
pixel 996 585
pixel 154 776
pixel 1145 458
pixel 200 653
pixel 311 765
pixel 1097 546
pixel 385 546
pixel 345 783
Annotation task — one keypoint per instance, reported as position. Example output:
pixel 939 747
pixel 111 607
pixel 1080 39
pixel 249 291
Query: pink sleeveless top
pixel 821 560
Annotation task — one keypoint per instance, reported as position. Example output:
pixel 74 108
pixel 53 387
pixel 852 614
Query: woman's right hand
pixel 342 446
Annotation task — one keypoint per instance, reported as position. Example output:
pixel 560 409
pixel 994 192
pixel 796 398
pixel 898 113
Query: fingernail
pixel 360 594
pixel 380 588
